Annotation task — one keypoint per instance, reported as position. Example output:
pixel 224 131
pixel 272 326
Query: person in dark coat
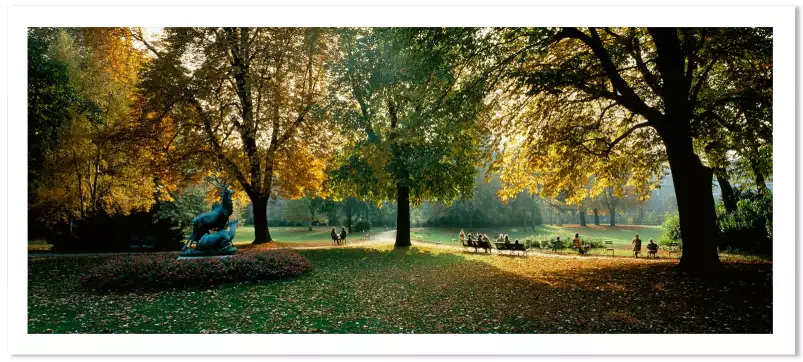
pixel 335 238
pixel 636 246
pixel 343 235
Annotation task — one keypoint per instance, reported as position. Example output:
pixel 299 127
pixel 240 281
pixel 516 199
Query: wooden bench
pixel 467 245
pixel 511 247
pixel 486 246
pixel 609 247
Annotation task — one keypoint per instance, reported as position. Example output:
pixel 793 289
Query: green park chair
pixel 609 247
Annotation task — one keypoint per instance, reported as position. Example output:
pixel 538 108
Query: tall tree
pixel 93 164
pixel 413 134
pixel 255 95
pixel 620 88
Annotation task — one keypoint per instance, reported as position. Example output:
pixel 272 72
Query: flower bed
pixel 165 271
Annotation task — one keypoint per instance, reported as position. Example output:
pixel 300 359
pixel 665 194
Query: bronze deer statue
pixel 217 218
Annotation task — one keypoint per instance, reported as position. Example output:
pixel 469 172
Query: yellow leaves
pixel 298 171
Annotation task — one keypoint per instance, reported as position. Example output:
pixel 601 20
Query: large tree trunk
pixel 694 197
pixel 728 197
pixel 612 212
pixel 596 216
pixel 260 207
pixel 403 216
pixel 582 218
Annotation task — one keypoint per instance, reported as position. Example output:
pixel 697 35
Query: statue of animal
pixel 215 219
pixel 218 240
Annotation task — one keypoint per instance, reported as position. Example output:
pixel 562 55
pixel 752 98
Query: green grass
pixel 320 235
pixel 622 234
pixel 419 290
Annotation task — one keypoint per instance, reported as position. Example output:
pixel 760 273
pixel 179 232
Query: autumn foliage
pixel 157 271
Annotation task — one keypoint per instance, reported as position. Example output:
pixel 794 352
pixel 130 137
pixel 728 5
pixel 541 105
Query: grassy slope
pixel 420 290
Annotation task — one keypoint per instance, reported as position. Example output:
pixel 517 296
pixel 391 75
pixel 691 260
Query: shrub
pixel 594 242
pixel 155 271
pixel 749 228
pixel 117 233
pixel 361 226
pixel 671 230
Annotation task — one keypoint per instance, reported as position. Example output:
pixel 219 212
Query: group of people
pixel 478 241
pixel 339 239
pixel 652 247
pixel 482 241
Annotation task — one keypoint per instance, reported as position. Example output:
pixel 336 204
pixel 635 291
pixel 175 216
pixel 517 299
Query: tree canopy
pixel 410 122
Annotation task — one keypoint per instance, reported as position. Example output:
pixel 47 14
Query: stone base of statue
pixel 196 252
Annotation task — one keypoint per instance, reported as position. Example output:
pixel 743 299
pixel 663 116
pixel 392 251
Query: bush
pixel 360 226
pixel 157 271
pixel 749 228
pixel 594 242
pixel 117 233
pixel 671 230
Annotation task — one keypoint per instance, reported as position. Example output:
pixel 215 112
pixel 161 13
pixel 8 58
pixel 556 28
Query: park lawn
pixel 425 289
pixel 622 234
pixel 320 235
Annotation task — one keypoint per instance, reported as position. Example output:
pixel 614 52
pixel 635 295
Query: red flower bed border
pixel 156 271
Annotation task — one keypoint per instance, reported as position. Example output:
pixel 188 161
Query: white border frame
pixel 781 18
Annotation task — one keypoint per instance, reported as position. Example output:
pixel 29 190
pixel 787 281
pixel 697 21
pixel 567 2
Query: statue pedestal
pixel 204 257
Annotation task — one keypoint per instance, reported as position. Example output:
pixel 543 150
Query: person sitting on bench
pixel 652 248
pixel 335 237
pixel 507 239
pixel 462 235
pixel 486 243
pixel 636 246
pixel 470 240
pixel 578 244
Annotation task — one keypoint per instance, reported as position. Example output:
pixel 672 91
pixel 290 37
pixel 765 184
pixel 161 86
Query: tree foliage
pixel 616 103
pixel 411 123
pixel 254 95
pixel 87 158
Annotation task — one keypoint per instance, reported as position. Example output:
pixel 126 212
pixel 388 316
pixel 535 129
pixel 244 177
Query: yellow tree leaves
pixel 98 165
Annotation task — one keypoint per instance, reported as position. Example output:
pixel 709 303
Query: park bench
pixel 556 245
pixel 467 245
pixel 674 248
pixel 609 247
pixel 511 247
pixel 484 245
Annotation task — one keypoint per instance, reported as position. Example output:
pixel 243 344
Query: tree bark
pixel 260 207
pixel 596 216
pixel 612 212
pixel 761 184
pixel 582 218
pixel 403 216
pixel 728 197
pixel 695 200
